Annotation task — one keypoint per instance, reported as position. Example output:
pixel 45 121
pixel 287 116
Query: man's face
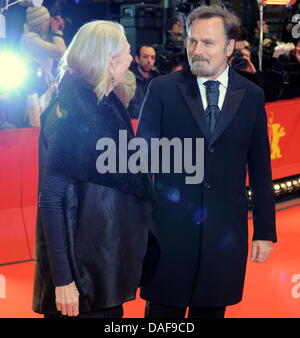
pixel 207 47
pixel 266 29
pixel 177 28
pixel 146 60
pixel 177 31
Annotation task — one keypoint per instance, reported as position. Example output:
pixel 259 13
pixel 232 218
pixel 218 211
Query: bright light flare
pixel 13 71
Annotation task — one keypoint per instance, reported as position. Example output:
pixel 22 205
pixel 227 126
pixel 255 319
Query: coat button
pixel 207 185
pixel 211 149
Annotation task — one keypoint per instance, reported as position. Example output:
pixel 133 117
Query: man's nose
pixel 198 49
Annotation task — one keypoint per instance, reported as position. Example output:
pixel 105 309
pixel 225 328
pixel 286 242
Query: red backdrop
pixel 284 134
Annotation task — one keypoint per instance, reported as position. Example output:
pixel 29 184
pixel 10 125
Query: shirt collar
pixel 222 78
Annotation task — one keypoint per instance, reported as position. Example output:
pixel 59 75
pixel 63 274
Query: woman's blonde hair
pixel 89 54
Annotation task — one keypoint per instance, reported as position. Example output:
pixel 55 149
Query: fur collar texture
pixel 83 123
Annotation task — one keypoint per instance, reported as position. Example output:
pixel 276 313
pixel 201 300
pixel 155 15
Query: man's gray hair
pixel 231 22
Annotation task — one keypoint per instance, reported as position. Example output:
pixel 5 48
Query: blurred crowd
pixel 43 45
pixel 280 72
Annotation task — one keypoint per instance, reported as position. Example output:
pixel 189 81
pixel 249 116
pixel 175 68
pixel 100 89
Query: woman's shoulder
pixel 72 81
pixel 76 94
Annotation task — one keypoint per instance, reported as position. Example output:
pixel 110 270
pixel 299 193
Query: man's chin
pixel 200 71
pixel 145 69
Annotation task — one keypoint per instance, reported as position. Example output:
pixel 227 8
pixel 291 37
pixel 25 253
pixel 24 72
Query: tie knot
pixel 212 84
pixel 212 92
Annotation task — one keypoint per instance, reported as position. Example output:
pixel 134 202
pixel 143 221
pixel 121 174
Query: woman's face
pixel 120 64
pixel 44 26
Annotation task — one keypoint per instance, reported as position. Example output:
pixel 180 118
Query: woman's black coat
pixel 107 228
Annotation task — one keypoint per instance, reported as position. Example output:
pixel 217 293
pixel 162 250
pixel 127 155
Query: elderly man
pixel 203 227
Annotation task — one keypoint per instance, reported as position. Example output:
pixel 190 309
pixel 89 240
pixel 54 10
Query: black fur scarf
pixel 82 124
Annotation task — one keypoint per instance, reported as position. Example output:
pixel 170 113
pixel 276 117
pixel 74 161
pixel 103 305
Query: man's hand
pixel 261 251
pixel 67 300
pixel 250 66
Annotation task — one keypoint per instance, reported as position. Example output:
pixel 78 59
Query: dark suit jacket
pixel 203 227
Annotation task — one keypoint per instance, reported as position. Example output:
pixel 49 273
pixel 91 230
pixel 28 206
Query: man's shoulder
pixel 154 73
pixel 251 87
pixel 169 79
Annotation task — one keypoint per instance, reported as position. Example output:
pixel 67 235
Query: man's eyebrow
pixel 208 40
pixel 203 40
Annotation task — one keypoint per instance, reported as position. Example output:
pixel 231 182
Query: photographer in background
pixel 290 68
pixel 289 24
pixel 269 44
pixel 142 68
pixel 280 69
pixel 241 62
pixel 266 31
pixel 173 57
pixel 43 43
pixel 175 33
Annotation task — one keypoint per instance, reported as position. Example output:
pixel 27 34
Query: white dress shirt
pixel 223 79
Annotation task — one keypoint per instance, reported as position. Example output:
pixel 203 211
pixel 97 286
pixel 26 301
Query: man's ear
pixel 137 59
pixel 230 47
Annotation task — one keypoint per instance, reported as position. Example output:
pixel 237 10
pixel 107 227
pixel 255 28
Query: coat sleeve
pixel 51 205
pixel 260 178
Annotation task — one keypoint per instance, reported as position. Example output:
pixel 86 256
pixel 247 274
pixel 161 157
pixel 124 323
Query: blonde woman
pixel 92 229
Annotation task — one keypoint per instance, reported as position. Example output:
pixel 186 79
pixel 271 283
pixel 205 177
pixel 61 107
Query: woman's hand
pixel 67 300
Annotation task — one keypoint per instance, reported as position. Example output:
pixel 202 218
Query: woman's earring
pixel 113 82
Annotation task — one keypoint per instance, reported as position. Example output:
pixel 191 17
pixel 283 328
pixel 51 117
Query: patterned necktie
pixel 212 112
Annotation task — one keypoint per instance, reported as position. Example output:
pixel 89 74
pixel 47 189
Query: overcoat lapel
pixel 190 91
pixel 233 98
